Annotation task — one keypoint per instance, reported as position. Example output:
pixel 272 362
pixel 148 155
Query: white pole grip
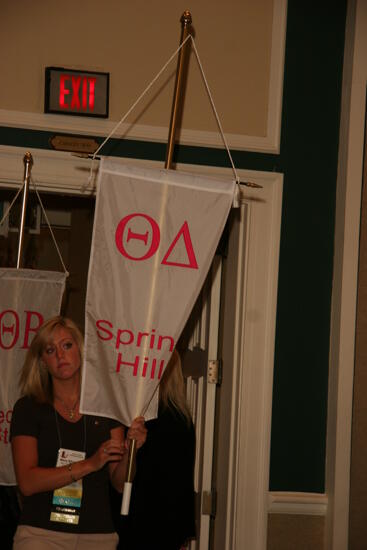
pixel 126 498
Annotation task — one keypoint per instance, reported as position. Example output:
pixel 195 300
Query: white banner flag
pixel 154 237
pixel 27 297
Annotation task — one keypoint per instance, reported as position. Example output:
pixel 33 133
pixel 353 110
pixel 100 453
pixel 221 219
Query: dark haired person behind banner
pixel 64 460
pixel 162 507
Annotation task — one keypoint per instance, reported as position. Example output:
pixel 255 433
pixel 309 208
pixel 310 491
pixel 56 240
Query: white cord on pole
pixel 10 207
pixel 49 226
pixel 115 128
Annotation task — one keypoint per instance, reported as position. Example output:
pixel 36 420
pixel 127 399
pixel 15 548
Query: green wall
pixel 309 149
pixel 308 159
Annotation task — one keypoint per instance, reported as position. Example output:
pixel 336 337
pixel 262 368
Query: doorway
pixel 71 219
pixel 233 501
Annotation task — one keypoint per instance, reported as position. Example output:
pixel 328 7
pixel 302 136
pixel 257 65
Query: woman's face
pixel 61 355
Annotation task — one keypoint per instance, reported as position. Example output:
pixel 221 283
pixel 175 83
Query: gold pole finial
pixel 28 158
pixel 186 18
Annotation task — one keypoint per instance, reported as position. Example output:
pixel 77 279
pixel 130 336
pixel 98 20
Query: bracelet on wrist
pixel 70 465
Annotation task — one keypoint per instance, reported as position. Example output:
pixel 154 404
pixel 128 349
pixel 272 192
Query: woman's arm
pixel 32 478
pixel 118 470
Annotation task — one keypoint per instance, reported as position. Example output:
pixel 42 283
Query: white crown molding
pixel 52 171
pixel 63 172
pixel 306 504
pixel 269 143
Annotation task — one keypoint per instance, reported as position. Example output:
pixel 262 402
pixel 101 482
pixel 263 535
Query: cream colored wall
pixel 132 41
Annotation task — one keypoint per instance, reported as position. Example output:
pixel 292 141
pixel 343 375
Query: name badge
pixel 66 501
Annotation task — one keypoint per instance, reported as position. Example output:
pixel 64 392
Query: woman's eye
pixel 49 351
pixel 68 345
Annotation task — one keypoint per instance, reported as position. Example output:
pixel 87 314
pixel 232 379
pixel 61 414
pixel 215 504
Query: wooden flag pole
pixel 28 163
pixel 186 21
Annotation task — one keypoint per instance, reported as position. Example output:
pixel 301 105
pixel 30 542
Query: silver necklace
pixel 71 411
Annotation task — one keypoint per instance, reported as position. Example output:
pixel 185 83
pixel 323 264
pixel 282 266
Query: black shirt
pixel 162 514
pixel 47 426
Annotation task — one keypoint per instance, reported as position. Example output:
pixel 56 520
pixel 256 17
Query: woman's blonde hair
pixel 172 387
pixel 35 380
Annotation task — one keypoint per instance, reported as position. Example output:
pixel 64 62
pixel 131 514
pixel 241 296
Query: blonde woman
pixel 64 460
pixel 162 515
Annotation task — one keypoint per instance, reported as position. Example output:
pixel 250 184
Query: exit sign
pixel 81 93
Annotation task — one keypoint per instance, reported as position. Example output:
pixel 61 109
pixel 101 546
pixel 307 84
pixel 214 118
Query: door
pixel 201 369
pixel 233 418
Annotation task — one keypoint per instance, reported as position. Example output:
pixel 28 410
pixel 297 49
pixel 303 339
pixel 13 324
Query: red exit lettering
pixel 76 92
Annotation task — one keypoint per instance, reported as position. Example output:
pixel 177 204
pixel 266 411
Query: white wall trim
pixel 343 314
pixel 90 127
pixel 269 143
pixel 305 504
pixel 53 171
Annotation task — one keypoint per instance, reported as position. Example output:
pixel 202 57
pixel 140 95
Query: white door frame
pixel 243 507
pixel 243 454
